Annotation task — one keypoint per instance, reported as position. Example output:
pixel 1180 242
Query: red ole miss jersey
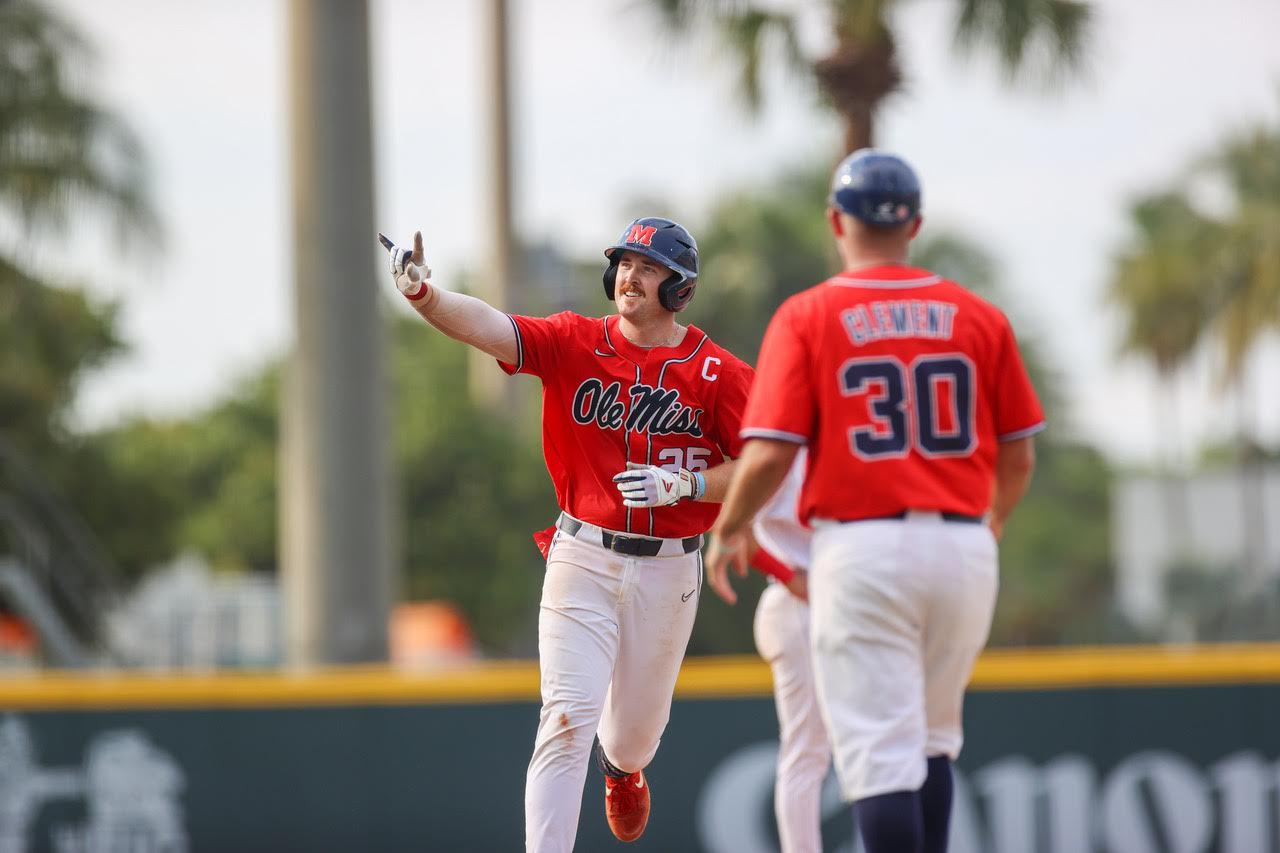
pixel 901 383
pixel 607 402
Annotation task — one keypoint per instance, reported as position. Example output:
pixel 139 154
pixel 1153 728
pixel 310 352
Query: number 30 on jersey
pixel 927 405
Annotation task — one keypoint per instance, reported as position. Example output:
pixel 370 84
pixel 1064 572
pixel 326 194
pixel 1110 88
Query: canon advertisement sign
pixel 1151 802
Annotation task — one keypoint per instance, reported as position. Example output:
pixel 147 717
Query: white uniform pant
pixel 612 632
pixel 900 611
pixel 782 638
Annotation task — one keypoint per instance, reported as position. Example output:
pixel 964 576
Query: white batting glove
pixel 408 268
pixel 649 485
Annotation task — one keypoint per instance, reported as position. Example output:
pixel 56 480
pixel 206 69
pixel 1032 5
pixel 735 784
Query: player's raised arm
pixel 463 318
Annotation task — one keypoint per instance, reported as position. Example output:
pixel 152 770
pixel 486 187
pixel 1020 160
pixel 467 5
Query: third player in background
pixel 782 638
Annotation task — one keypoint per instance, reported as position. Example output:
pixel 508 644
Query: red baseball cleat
pixel 626 805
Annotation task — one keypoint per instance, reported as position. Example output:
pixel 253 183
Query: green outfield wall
pixel 1069 751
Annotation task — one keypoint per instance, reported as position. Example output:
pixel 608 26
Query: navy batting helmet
pixel 878 188
pixel 667 243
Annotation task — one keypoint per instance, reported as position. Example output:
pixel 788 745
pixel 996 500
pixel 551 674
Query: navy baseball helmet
pixel 876 187
pixel 667 243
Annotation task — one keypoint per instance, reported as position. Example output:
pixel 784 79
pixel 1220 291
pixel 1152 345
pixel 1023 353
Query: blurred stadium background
pixel 266 575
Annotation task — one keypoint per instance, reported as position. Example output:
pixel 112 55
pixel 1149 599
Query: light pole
pixel 335 479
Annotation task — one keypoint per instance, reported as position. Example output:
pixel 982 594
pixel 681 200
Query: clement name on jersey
pixel 607 402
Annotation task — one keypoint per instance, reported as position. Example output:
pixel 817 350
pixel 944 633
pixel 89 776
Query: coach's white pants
pixel 900 611
pixel 612 632
pixel 782 638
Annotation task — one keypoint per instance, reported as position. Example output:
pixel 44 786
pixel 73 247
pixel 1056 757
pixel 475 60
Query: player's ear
pixel 833 217
pixel 915 226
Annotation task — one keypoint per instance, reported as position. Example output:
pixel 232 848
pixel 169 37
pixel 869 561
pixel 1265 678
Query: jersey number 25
pixel 692 459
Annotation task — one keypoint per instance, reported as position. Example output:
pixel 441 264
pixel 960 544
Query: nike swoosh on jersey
pixel 604 354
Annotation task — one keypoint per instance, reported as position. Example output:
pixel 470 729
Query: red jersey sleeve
pixel 767 564
pixel 783 403
pixel 731 402
pixel 540 342
pixel 1016 408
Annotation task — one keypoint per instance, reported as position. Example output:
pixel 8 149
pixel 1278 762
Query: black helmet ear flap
pixel 674 293
pixel 610 280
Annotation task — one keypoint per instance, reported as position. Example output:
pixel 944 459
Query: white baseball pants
pixel 612 632
pixel 900 611
pixel 782 638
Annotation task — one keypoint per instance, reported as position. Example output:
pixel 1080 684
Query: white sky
pixel 1042 181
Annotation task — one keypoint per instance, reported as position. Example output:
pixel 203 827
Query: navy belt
pixel 958 517
pixel 631 546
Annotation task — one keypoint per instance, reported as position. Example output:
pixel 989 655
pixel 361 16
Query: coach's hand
pixel 725 550
pixel 408 268
pixel 649 485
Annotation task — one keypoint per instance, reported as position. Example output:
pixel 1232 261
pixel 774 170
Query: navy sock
pixel 891 823
pixel 606 766
pixel 935 804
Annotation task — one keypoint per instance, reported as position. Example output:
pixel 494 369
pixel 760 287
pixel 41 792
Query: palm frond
pixel 859 20
pixel 59 152
pixel 748 30
pixel 681 17
pixel 1048 38
pixel 1248 161
pixel 1166 283
pixel 1250 264
pixel 747 34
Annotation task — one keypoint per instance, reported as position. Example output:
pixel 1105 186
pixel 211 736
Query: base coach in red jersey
pixel 912 398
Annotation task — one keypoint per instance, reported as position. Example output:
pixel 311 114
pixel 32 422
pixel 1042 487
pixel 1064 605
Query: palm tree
pixel 59 152
pixel 862 69
pixel 1166 289
pixel 60 155
pixel 1250 249
pixel 1250 262
pixel 1164 284
pixel 1192 278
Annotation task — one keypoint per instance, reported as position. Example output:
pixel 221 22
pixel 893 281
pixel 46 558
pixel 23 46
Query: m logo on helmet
pixel 642 234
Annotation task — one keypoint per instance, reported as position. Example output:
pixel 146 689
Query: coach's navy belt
pixel 946 516
pixel 631 546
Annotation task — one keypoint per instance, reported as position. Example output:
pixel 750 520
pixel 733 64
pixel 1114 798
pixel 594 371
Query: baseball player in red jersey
pixel 639 415
pixel 911 396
